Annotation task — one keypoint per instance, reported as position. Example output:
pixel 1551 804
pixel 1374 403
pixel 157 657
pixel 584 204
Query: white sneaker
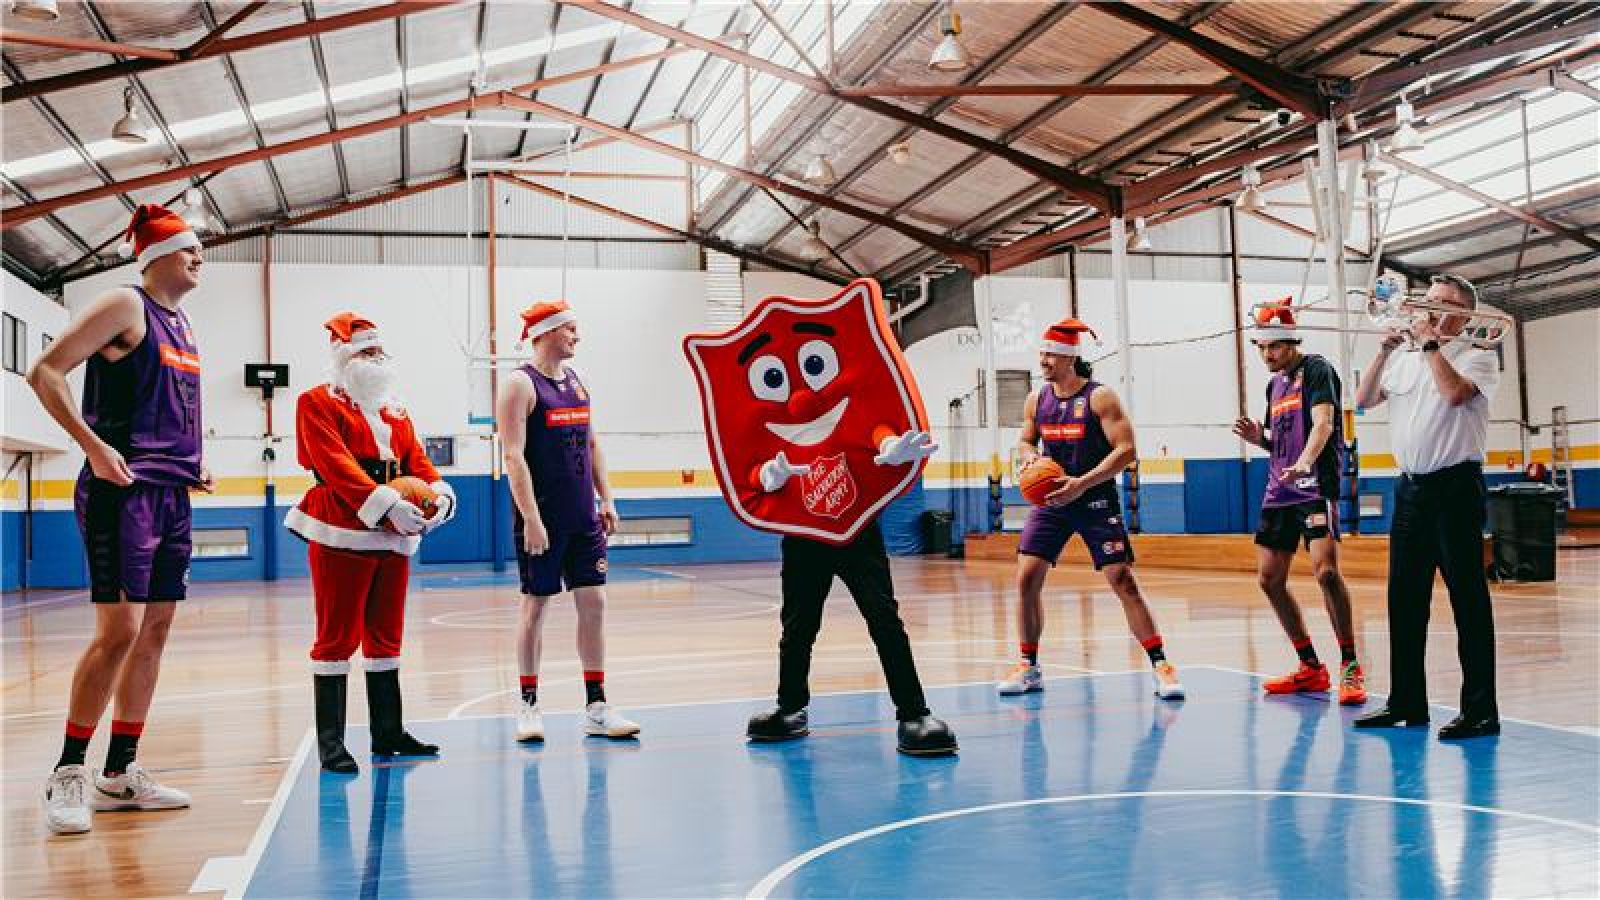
pixel 135 789
pixel 1166 679
pixel 530 723
pixel 603 719
pixel 65 810
pixel 1024 679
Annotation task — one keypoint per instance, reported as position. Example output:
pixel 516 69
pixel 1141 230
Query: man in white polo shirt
pixel 1438 397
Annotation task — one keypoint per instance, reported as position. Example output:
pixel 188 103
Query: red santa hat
pixel 544 317
pixel 350 334
pixel 154 232
pixel 1065 338
pixel 1273 321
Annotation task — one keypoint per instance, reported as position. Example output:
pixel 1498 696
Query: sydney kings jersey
pixel 1072 435
pixel 147 404
pixel 557 452
pixel 1290 398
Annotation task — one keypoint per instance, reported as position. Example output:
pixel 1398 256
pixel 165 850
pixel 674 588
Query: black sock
pixel 1347 654
pixel 530 689
pixel 75 745
pixel 124 745
pixel 594 687
pixel 1308 653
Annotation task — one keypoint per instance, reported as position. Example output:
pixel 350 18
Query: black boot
pixel 777 725
pixel 330 693
pixel 1464 726
pixel 1388 718
pixel 926 736
pixel 389 737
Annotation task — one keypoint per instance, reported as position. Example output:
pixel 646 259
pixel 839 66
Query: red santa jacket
pixel 346 507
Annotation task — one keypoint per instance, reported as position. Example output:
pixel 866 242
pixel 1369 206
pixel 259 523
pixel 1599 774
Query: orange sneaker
pixel 1303 680
pixel 1352 685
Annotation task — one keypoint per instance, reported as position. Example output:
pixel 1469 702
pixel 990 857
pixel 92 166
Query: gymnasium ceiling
pixel 283 113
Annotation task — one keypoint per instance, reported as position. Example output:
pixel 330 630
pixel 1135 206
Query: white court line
pixel 1571 729
pixel 765 886
pixel 269 822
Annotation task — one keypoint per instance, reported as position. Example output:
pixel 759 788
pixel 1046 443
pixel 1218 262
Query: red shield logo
pixel 822 382
pixel 828 490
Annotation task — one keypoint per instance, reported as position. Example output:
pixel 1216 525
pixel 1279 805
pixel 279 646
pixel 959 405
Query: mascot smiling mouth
pixel 809 434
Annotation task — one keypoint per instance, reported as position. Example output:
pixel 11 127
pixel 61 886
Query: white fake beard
pixel 370 384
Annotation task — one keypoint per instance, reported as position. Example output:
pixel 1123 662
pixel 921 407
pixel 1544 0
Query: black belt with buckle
pixel 381 471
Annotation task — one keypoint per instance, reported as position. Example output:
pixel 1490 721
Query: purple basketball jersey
pixel 1072 434
pixel 1290 397
pixel 147 404
pixel 557 452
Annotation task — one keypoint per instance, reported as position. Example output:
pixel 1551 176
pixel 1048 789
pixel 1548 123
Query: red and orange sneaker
pixel 1303 680
pixel 1352 685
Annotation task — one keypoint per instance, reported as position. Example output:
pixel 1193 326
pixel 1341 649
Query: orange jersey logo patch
pixel 574 415
pixel 1291 402
pixel 1059 432
pixel 180 360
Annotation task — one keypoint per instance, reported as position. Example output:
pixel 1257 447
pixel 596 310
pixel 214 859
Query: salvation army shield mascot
pixel 815 424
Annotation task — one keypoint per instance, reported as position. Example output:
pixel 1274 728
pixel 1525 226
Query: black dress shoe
pixel 1387 718
pixel 777 725
pixel 926 736
pixel 1462 727
pixel 402 744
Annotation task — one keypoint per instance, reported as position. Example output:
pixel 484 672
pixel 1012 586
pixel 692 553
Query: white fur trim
pixel 551 323
pixel 1059 349
pixel 1273 333
pixel 362 340
pixel 381 432
pixel 330 667
pixel 377 505
pixel 381 664
pixel 319 532
pixel 172 244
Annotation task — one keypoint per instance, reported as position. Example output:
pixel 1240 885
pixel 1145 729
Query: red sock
pixel 530 688
pixel 594 686
pixel 1030 652
pixel 1153 649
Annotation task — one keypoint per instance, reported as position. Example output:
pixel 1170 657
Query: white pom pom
pixel 125 250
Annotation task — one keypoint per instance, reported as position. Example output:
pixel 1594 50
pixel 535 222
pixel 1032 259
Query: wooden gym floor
pixel 234 697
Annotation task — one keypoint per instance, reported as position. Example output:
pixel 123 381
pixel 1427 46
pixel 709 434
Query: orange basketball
pixel 416 491
pixel 1039 479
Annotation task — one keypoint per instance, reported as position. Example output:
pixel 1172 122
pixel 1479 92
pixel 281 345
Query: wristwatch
pixel 1430 346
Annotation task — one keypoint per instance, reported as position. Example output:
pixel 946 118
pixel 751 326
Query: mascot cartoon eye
pixel 769 380
pixel 819 364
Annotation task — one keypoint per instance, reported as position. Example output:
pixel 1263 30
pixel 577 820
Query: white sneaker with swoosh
pixel 135 789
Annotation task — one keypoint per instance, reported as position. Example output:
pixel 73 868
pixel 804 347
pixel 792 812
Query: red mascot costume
pixel 815 425
pixel 354 436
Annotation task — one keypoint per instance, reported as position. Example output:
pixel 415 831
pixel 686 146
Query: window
pixel 15 344
pixel 441 451
pixel 1371 506
pixel 220 543
pixel 654 532
pixel 1014 516
pixel 45 341
pixel 1014 387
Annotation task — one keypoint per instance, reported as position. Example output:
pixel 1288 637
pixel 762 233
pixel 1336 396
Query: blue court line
pixel 1262 796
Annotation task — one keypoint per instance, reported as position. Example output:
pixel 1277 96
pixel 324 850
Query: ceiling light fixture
pixel 900 153
pixel 1376 169
pixel 1140 239
pixel 1250 199
pixel 820 171
pixel 1406 138
pixel 196 214
pixel 951 55
pixel 130 128
pixel 37 10
pixel 812 249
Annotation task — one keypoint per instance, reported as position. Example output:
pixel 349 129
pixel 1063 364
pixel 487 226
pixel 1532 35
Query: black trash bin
pixel 938 526
pixel 1522 521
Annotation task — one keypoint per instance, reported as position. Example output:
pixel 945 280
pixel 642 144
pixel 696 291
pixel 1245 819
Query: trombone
pixel 1389 307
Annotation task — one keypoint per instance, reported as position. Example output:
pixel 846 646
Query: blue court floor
pixel 1092 788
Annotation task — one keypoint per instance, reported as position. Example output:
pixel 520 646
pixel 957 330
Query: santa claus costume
pixel 355 437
